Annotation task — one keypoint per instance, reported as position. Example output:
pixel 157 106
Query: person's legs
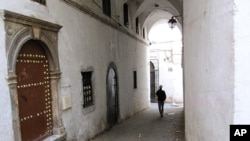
pixel 162 111
pixel 161 107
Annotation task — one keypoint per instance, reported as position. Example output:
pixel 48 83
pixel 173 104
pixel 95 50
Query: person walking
pixel 161 99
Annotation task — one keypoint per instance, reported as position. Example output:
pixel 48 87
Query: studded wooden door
pixel 33 88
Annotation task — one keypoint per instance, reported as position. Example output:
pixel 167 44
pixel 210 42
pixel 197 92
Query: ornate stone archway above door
pixel 19 30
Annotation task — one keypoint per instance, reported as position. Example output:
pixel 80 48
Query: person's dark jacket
pixel 161 95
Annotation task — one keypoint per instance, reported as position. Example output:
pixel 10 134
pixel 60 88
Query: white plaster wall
pixel 132 56
pixel 178 84
pixel 209 69
pixel 27 7
pixel 170 76
pixel 6 132
pixel 242 65
pixel 170 73
pixel 85 42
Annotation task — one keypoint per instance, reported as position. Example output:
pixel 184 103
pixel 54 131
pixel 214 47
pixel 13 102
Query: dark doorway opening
pixel 112 96
pixel 152 83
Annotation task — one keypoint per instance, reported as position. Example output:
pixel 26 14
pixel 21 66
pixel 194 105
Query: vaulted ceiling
pixel 154 11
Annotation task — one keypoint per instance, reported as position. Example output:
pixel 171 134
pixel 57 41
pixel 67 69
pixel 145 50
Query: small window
pixel 143 33
pixel 87 89
pixel 106 6
pixel 137 25
pixel 40 1
pixel 125 14
pixel 135 79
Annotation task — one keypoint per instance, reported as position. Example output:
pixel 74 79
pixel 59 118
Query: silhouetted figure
pixel 161 98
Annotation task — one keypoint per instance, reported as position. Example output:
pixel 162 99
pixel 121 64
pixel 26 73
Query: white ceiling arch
pixel 162 16
pixel 151 11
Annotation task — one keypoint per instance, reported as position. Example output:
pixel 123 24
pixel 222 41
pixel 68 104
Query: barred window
pixel 40 1
pixel 87 89
pixel 106 7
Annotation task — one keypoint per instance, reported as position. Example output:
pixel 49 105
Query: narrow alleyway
pixel 149 126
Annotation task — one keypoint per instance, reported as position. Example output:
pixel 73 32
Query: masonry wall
pixel 242 65
pixel 84 43
pixel 209 69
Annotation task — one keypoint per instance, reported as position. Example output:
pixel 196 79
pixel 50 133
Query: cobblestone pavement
pixel 149 126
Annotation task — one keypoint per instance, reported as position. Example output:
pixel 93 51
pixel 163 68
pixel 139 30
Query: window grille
pixel 87 89
pixel 106 7
pixel 40 1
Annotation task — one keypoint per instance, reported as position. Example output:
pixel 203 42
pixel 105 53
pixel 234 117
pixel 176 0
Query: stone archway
pixel 19 30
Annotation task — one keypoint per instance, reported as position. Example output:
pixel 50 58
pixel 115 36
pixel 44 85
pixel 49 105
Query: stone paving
pixel 149 126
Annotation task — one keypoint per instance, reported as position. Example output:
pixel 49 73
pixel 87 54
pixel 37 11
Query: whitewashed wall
pixel 242 64
pixel 84 42
pixel 209 69
pixel 170 74
pixel 5 103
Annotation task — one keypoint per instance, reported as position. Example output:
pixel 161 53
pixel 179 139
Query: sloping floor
pixel 149 126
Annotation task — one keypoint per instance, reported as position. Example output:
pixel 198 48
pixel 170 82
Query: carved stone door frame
pixel 19 30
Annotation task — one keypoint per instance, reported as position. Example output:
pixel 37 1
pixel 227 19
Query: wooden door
pixel 33 88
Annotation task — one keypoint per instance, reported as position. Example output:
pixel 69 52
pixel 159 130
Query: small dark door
pixel 112 98
pixel 33 88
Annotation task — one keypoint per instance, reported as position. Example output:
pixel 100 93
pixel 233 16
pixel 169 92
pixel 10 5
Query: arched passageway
pixel 166 57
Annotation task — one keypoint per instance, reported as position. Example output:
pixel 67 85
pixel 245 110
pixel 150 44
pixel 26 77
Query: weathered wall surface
pixel 84 43
pixel 5 103
pixel 242 65
pixel 209 69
